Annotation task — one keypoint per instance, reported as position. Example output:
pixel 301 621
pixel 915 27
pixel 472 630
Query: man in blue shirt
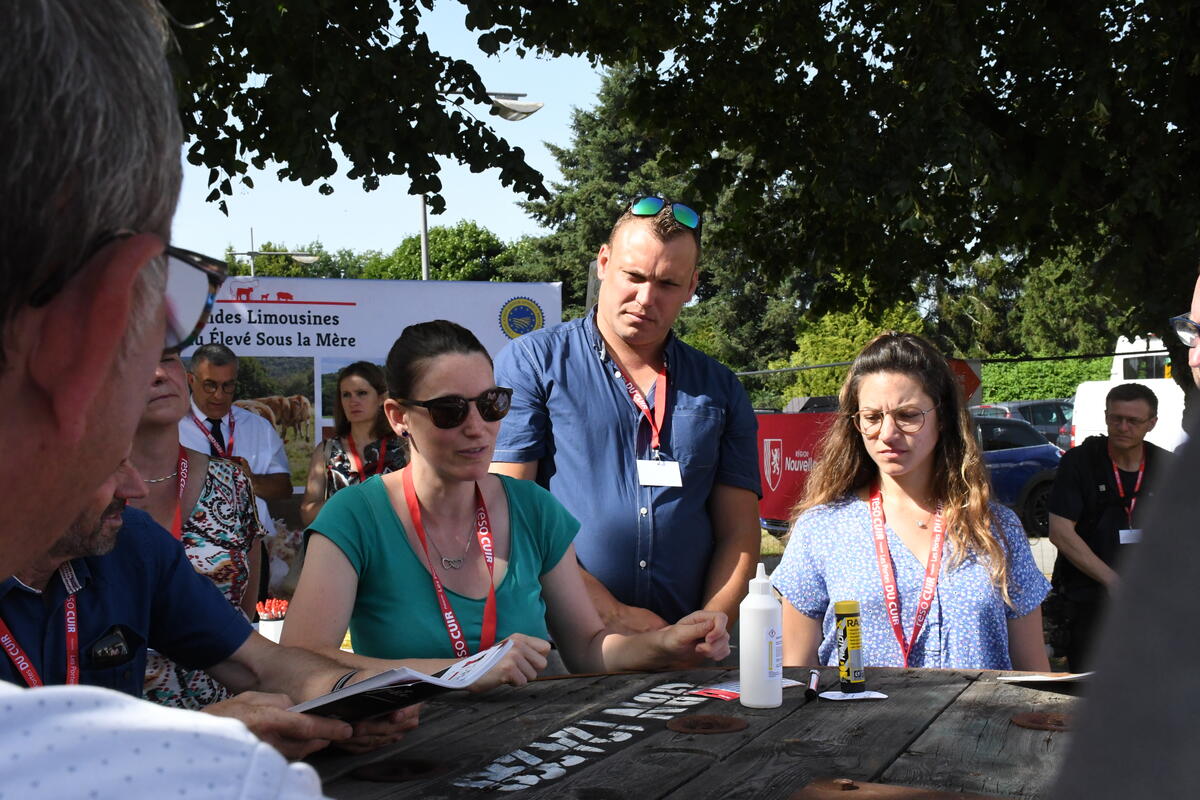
pixel 116 584
pixel 648 442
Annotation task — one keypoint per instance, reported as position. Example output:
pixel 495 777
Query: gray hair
pixel 216 354
pixel 92 136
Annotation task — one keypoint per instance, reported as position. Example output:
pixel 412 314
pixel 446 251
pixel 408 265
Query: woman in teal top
pixel 443 558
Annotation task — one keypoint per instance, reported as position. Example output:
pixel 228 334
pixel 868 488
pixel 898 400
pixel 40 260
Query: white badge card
pixel 1130 535
pixel 659 473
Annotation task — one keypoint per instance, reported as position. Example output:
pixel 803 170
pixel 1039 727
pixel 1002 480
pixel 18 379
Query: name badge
pixel 1131 535
pixel 659 473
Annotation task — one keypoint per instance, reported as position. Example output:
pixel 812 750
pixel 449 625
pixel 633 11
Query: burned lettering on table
pixel 583 741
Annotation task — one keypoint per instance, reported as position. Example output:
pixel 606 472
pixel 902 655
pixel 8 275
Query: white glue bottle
pixel 760 645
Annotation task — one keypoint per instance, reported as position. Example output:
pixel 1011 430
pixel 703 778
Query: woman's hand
pixel 699 636
pixel 520 664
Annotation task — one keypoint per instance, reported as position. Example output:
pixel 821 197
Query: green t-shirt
pixel 396 612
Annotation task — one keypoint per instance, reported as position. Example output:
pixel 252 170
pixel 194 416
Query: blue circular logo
pixel 520 316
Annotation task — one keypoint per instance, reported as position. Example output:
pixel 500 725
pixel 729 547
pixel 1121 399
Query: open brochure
pixel 402 687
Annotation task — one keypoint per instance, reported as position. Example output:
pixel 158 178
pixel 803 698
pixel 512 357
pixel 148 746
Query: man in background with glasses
pixel 648 442
pixel 91 297
pixel 218 427
pixel 1097 505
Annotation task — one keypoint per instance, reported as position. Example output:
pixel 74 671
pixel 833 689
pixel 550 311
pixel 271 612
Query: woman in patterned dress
pixel 362 444
pixel 208 503
pixel 897 515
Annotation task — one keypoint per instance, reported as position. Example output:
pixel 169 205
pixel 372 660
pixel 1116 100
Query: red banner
pixel 787 452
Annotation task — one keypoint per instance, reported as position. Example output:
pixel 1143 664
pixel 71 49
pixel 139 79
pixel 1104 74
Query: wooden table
pixel 601 737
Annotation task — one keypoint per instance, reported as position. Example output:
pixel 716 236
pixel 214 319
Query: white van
pixel 1088 419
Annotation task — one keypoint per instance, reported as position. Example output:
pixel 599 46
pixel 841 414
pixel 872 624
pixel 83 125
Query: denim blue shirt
pixel 650 545
pixel 144 593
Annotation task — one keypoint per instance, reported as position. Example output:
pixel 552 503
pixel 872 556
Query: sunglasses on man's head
pixel 651 206
pixel 451 411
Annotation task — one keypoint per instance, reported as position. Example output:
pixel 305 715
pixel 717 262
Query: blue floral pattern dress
pixel 830 557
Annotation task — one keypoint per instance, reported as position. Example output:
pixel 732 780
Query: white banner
pixel 358 319
pixel 298 325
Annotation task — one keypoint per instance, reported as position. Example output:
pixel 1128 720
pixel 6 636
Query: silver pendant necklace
pixel 452 563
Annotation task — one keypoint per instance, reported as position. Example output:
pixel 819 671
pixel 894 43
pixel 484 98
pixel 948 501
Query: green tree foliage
pixel 1061 306
pixel 973 311
pixel 877 143
pixel 895 140
pixel 1068 306
pixel 253 379
pixel 1036 380
pixel 464 252
pixel 836 337
pixel 741 317
pixel 608 163
pixel 342 264
pixel 306 83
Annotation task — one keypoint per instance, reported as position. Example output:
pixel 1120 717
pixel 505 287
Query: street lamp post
pixel 506 105
pixel 299 258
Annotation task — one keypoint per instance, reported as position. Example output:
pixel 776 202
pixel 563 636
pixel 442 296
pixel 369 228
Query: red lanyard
pixel 1121 484
pixel 227 450
pixel 181 469
pixel 21 661
pixel 660 403
pixel 891 595
pixel 356 462
pixel 483 529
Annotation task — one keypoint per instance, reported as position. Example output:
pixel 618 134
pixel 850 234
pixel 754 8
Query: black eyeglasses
pixel 1187 331
pixel 650 206
pixel 192 284
pixel 451 411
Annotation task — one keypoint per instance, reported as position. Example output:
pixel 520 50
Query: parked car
pixel 1048 416
pixel 1021 465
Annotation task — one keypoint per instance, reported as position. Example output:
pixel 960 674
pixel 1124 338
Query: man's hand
pixel 373 734
pixel 632 619
pixel 616 616
pixel 698 637
pixel 293 734
pixel 520 664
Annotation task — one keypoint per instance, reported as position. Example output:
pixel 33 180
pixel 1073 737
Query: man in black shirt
pixel 1095 510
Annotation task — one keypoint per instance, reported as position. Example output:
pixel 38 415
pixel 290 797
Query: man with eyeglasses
pixel 1187 328
pixel 648 442
pixel 1096 508
pixel 218 427
pixel 91 295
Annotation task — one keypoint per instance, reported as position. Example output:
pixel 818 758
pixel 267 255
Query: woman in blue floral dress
pixel 897 515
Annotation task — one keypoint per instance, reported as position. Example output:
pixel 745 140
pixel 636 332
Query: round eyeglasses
pixel 908 419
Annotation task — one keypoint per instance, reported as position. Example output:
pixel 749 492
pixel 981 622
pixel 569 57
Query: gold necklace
pixel 160 480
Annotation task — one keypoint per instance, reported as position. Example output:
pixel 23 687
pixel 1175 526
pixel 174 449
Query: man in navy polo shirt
pixel 117 583
pixel 648 442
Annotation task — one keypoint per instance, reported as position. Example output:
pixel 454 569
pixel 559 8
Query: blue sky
pixel 288 212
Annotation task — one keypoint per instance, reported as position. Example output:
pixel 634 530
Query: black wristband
pixel 341 682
